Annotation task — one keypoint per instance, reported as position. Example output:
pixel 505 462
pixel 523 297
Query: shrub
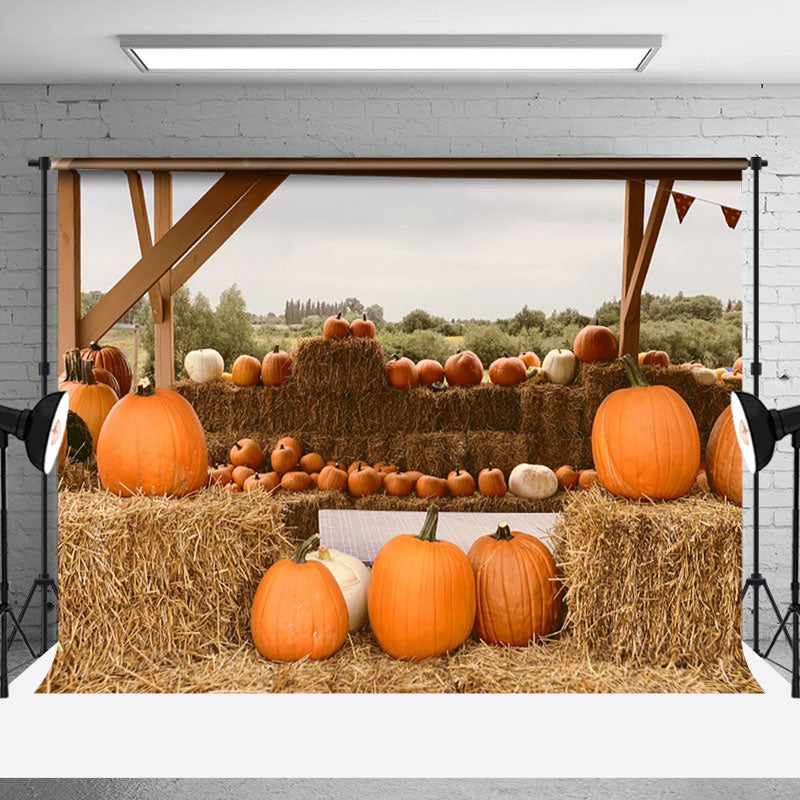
pixel 489 342
pixel 417 345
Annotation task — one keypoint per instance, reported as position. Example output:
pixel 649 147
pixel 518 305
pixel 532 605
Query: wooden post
pixel 164 331
pixel 631 301
pixel 632 241
pixel 69 261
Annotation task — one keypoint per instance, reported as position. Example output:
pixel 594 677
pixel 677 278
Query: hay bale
pixel 436 453
pixel 553 416
pixel 652 583
pixel 324 365
pixel 483 407
pixel 76 476
pixel 497 449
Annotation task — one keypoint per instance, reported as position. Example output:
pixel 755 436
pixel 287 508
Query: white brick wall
pixel 403 120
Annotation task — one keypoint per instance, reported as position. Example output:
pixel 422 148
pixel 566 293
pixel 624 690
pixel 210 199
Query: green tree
pixel 234 330
pixel 526 319
pixel 489 342
pixel 417 320
pixel 375 313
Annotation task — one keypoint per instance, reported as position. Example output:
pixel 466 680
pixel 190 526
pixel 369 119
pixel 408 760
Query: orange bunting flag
pixel 683 202
pixel 731 216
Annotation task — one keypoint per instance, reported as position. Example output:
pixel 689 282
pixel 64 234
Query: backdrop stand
pixel 756 580
pixel 44 583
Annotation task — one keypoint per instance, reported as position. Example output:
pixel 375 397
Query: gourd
pixel 595 343
pixel 363 481
pixel 246 453
pixel 724 459
pixel 331 479
pixel 491 482
pixel 363 328
pixel 246 371
pixel 567 477
pixel 644 441
pixel 352 575
pixel 507 371
pixel 429 371
pixel 298 610
pixel 204 365
pixel 336 327
pixel 152 442
pixel 226 377
pixel 90 400
pixel 421 596
pixel 530 359
pixel 295 481
pixel 559 366
pixel 283 459
pixel 460 483
pixel 401 371
pixel 532 481
pixel 113 359
pixel 430 486
pixel 517 589
pixel 463 368
pixel 276 367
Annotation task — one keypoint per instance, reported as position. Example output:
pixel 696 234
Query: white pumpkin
pixel 704 376
pixel 352 575
pixel 560 366
pixel 204 365
pixel 532 481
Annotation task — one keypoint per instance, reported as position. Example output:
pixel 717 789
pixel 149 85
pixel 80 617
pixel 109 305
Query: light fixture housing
pixel 758 428
pixel 42 428
pixel 452 54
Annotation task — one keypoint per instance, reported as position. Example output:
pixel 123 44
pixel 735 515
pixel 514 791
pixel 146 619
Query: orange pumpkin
pixel 385 467
pixel 221 475
pixel 102 375
pixel 357 465
pixel 737 366
pixel 491 482
pixel 246 453
pixel 291 442
pixel 336 327
pixel 331 479
pixel 530 359
pixel 460 483
pixel 654 358
pixel 398 484
pixel 421 595
pixel 246 371
pixel 402 372
pixel 644 441
pixel 724 459
pixel 429 371
pixel 90 400
pixel 363 328
pixel 413 475
pixel 295 481
pixel 518 595
pixel 232 487
pixel 701 481
pixel 338 464
pixel 152 442
pixel 363 481
pixel 299 610
pixel 276 367
pixel 595 343
pixel 262 481
pixel 463 368
pixel 312 462
pixel 567 477
pixel 283 459
pixel 113 359
pixel 430 486
pixel 507 371
pixel 587 478
pixel 241 474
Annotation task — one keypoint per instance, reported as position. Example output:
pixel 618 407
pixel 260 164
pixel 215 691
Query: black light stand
pixel 44 582
pixel 757 581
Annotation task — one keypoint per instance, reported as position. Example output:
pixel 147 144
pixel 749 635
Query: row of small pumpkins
pixel 422 599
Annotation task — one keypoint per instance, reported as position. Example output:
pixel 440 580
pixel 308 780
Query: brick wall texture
pixel 352 119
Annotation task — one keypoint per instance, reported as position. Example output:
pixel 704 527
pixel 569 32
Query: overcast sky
pixel 458 248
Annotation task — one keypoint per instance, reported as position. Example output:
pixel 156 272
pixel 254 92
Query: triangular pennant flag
pixel 731 215
pixel 683 202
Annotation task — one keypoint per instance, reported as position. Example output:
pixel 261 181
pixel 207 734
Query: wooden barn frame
pixel 175 249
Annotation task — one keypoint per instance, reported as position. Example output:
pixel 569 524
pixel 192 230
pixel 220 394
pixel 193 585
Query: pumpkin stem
pixel 87 373
pixel 428 532
pixel 145 388
pixel 302 550
pixel 95 345
pixel 394 357
pixel 324 554
pixel 634 373
pixel 339 315
pixel 276 349
pixel 364 316
pixel 72 365
pixel 503 533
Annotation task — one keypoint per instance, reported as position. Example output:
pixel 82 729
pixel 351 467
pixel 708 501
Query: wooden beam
pixel 223 230
pixel 69 261
pixel 164 339
pixel 632 241
pixel 631 302
pixel 164 254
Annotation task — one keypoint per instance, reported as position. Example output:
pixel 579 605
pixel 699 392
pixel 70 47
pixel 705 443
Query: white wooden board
pixel 363 533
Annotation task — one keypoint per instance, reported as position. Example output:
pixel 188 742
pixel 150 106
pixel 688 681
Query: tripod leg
pixel 15 624
pixel 782 627
pixel 777 613
pixel 22 614
pixel 55 589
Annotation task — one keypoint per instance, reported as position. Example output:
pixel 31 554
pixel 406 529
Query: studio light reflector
pixel 41 428
pixel 758 428
pixel 434 54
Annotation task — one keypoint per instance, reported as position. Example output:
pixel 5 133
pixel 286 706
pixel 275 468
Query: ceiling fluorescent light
pixel 314 54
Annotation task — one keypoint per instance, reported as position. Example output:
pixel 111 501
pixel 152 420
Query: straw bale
pixel 497 449
pixel 324 365
pixel 76 476
pixel 436 453
pixel 652 583
pixel 483 407
pixel 553 415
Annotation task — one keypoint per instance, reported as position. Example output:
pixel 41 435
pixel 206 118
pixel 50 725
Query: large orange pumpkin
pixel 517 592
pixel 276 367
pixel 298 609
pixel 724 459
pixel 507 371
pixel 113 359
pixel 90 400
pixel 645 441
pixel 402 372
pixel 152 442
pixel 595 343
pixel 421 597
pixel 429 371
pixel 463 368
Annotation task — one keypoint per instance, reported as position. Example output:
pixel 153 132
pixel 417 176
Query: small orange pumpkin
pixel 507 371
pixel 737 366
pixel 246 371
pixel 363 481
pixel 283 459
pixel 587 478
pixel 363 328
pixel 460 483
pixel 402 372
pixel 654 358
pixel 262 481
pixel 276 367
pixel 491 482
pixel 530 359
pixel 429 371
pixel 241 474
pixel 336 327
pixel 246 453
pixel 463 368
pixel 331 479
pixel 357 465
pixel 398 484
pixel 430 486
pixel 114 360
pixel 338 464
pixel 220 475
pixel 298 610
pixel 595 343
pixel 295 481
pixel 232 487
pixel 724 459
pixel 385 467
pixel 291 442
pixel 567 477
pixel 312 462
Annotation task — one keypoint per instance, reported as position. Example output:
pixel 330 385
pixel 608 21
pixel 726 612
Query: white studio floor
pixel 400 735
